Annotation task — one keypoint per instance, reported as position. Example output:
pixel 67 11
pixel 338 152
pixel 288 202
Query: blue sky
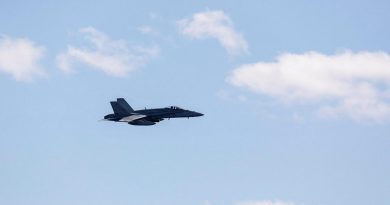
pixel 296 97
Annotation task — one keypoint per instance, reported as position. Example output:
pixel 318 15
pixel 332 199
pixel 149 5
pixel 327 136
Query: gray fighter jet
pixel 124 113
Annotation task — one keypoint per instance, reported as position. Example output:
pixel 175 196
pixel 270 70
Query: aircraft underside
pixel 145 122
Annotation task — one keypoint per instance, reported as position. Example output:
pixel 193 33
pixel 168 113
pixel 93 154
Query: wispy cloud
pixel 266 202
pixel 114 57
pixel 147 30
pixel 214 24
pixel 20 57
pixel 353 84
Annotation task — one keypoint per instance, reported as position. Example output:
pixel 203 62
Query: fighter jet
pixel 124 113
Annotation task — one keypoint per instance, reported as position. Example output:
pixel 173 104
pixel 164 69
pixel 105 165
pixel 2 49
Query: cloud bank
pixel 114 57
pixel 214 24
pixel 20 57
pixel 356 85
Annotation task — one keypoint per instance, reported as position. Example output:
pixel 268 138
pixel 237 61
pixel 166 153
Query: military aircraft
pixel 124 113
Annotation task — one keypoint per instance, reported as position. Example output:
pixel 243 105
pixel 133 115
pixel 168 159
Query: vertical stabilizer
pixel 122 103
pixel 119 110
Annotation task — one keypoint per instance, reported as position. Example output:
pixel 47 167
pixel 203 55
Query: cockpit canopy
pixel 175 108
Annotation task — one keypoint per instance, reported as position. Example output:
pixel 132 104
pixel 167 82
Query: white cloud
pixel 214 24
pixel 146 30
pixel 266 202
pixel 353 84
pixel 114 57
pixel 21 58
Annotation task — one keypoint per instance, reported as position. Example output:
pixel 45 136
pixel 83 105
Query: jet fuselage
pixel 124 113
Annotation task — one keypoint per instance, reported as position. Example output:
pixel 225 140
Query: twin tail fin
pixel 121 107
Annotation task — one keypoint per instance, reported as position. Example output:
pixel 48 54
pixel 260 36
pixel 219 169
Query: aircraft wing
pixel 132 118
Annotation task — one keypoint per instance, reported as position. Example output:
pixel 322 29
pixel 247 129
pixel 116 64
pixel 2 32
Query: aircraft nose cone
pixel 198 114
